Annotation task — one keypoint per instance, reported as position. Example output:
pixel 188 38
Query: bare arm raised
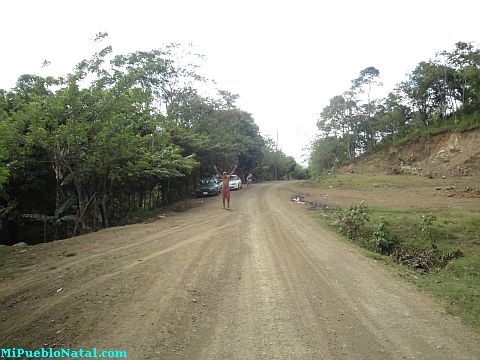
pixel 216 170
pixel 230 172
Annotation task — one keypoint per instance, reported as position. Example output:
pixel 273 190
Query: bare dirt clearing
pixel 259 282
pixel 400 191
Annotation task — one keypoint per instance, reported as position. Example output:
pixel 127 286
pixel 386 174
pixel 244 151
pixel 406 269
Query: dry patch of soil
pixel 446 154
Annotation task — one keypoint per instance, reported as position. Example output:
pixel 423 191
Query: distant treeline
pixel 443 93
pixel 118 135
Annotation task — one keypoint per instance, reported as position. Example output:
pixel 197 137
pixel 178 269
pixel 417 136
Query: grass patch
pixel 144 215
pixel 7 263
pixel 457 287
pixel 69 253
pixel 398 182
pixel 4 250
pixel 365 181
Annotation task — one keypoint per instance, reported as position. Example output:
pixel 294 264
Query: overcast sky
pixel 285 59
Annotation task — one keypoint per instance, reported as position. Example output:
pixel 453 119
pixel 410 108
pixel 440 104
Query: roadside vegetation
pixel 440 94
pixel 437 248
pixel 119 135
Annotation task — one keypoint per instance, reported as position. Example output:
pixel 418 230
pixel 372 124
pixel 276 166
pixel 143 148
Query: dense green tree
pixel 94 139
pixel 431 91
pixel 276 165
pixel 118 134
pixel 434 93
pixel 464 60
pixel 395 118
pixel 327 153
pixel 368 121
pixel 341 118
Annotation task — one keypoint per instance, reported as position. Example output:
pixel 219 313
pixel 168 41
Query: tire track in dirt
pixel 22 284
pixel 177 313
pixel 260 281
pixel 391 315
pixel 259 316
pixel 305 295
pixel 47 305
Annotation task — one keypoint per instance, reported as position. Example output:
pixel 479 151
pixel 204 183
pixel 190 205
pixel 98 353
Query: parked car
pixel 235 182
pixel 208 186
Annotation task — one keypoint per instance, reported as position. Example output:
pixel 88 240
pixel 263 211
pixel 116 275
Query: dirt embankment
pixel 444 154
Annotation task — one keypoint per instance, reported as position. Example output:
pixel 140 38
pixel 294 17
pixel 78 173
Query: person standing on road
pixel 225 185
pixel 249 179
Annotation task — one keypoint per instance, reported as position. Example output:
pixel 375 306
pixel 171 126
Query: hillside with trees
pixel 440 95
pixel 118 135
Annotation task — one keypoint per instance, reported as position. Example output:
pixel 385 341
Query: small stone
pixel 59 290
pixel 20 244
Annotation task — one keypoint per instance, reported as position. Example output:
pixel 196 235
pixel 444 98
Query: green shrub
pixel 383 240
pixel 426 226
pixel 351 221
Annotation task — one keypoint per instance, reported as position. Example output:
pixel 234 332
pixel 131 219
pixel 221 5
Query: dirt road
pixel 260 281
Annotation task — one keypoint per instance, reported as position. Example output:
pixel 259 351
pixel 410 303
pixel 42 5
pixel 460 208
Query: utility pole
pixel 275 175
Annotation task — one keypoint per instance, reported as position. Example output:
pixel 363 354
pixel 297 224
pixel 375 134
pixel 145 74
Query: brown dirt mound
pixel 444 154
pixel 470 192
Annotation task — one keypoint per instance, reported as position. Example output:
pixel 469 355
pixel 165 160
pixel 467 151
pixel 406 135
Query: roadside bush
pixel 392 240
pixel 426 226
pixel 351 221
pixel 431 230
pixel 383 240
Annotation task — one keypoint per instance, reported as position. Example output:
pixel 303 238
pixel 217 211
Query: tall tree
pixel 368 78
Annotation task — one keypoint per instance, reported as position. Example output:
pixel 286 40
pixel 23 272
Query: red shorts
pixel 226 193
